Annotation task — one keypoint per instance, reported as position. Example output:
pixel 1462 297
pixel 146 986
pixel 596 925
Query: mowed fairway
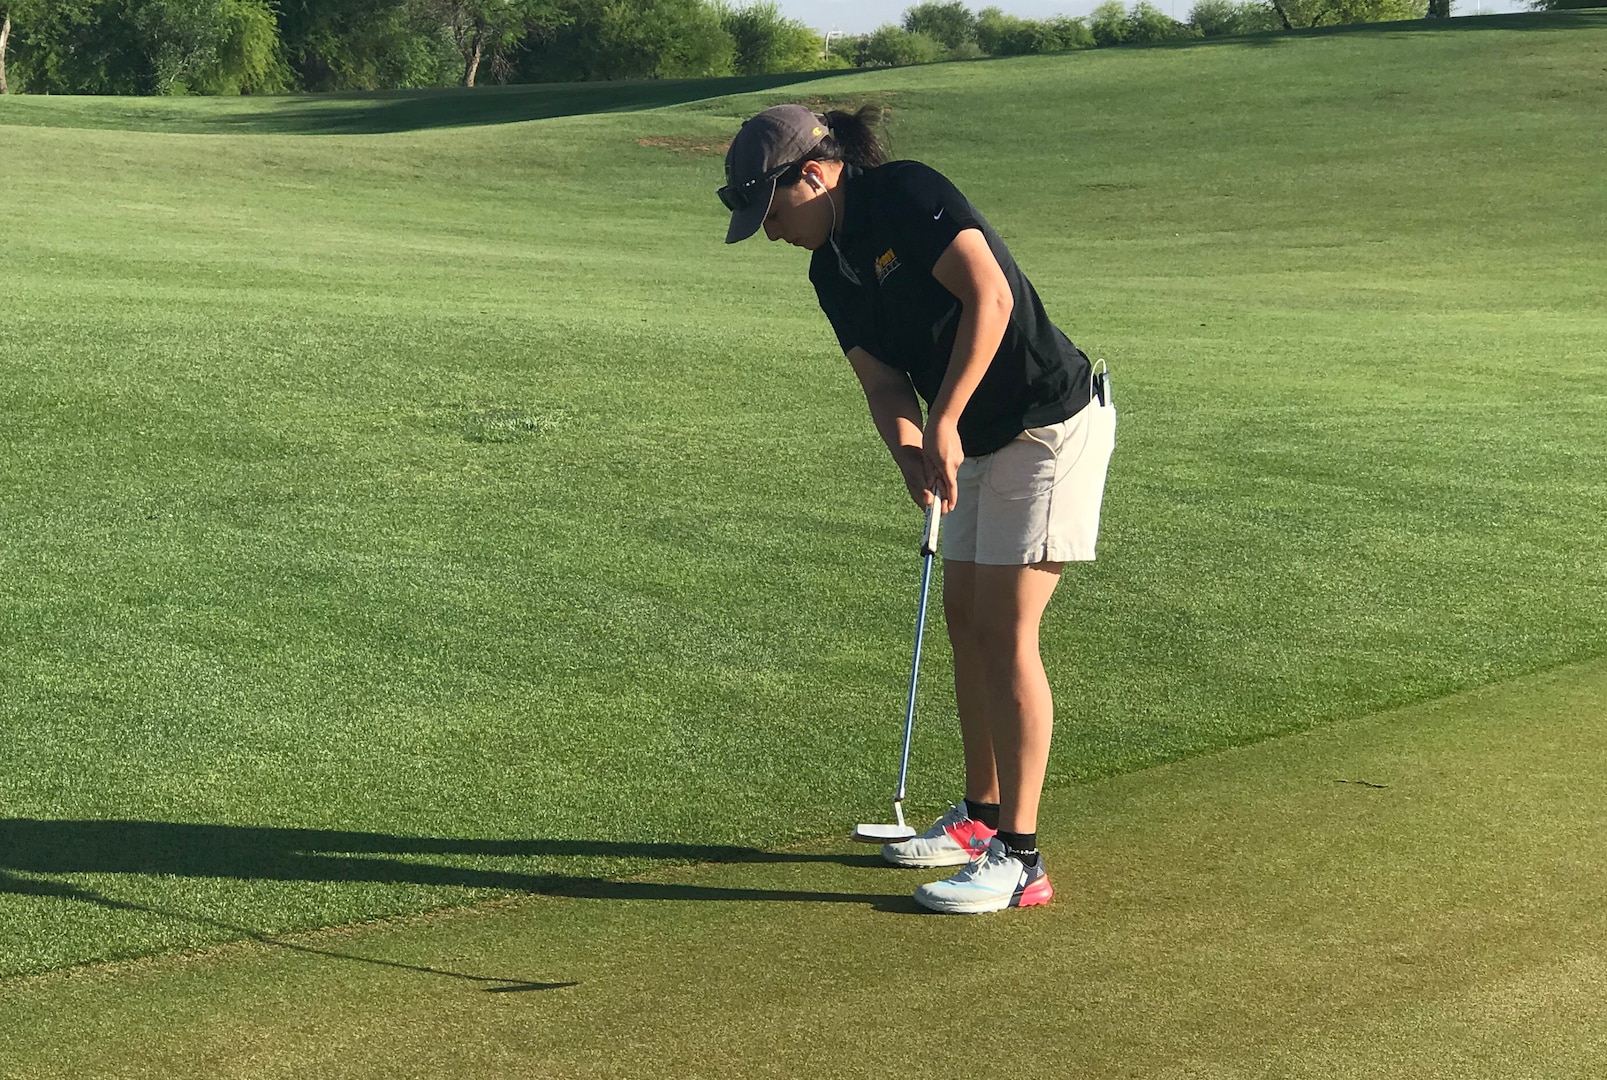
pixel 399 521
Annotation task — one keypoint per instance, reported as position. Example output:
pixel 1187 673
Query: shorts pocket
pixel 1026 467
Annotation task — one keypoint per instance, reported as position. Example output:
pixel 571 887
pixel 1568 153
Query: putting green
pixel 1417 893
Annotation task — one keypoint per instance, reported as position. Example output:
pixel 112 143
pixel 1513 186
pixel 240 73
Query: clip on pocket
pixel 1099 382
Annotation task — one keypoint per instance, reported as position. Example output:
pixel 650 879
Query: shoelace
pixel 980 866
pixel 939 827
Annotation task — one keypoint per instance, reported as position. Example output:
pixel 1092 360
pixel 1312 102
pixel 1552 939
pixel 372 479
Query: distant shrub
pixel 632 39
pixel 1113 24
pixel 1304 13
pixel 367 45
pixel 1148 24
pixel 1069 33
pixel 1008 35
pixel 849 49
pixel 248 58
pixel 678 39
pixel 767 42
pixel 894 46
pixel 1219 18
pixel 995 30
pixel 1108 23
pixel 154 47
pixel 948 21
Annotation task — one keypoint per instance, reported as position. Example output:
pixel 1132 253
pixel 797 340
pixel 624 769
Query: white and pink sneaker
pixel 996 881
pixel 953 840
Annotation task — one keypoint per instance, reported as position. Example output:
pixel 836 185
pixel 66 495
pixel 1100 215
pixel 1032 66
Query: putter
pixel 884 834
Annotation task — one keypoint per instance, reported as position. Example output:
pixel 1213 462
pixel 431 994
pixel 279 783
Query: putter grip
pixel 934 514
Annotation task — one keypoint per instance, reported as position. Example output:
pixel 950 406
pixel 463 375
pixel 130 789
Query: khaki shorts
pixel 1036 499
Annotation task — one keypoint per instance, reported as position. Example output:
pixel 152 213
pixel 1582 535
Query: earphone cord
pixel 831 237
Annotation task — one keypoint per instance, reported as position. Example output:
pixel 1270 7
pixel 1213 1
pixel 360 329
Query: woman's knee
pixel 1005 636
pixel 960 619
pixel 959 600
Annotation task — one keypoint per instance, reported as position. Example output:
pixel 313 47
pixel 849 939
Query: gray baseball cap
pixel 763 150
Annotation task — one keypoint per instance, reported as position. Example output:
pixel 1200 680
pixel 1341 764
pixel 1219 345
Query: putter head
pixel 886 834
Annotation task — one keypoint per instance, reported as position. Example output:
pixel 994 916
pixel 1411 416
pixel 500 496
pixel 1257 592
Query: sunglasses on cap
pixel 740 196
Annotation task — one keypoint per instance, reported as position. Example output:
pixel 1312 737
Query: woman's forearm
pixel 896 413
pixel 976 340
pixel 969 271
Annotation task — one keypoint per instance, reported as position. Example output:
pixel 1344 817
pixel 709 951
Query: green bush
pixel 894 46
pixel 995 29
pixel 240 53
pixel 77 47
pixel 1148 24
pixel 1008 35
pixel 1108 22
pixel 1068 33
pixel 948 21
pixel 366 45
pixel 253 55
pixel 1305 13
pixel 632 39
pixel 34 57
pixel 1218 18
pixel 147 47
pixel 849 49
pixel 766 41
pixel 1113 24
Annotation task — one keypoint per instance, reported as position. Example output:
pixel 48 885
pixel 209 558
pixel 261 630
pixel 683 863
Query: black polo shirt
pixel 897 219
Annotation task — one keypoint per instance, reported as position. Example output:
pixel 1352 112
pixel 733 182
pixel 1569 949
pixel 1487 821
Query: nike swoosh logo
pixel 939 213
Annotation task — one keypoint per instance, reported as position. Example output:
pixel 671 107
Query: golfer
pixel 928 305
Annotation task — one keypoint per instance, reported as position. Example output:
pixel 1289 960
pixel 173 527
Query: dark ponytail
pixel 852 139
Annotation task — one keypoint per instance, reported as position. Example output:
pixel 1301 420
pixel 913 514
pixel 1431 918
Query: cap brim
pixel 746 222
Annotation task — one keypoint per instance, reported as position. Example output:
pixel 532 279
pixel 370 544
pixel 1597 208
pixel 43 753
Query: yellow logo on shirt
pixel 886 264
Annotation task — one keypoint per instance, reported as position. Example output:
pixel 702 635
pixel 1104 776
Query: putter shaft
pixel 928 551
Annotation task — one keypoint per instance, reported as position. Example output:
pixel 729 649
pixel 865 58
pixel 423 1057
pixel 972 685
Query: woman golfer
pixel 926 300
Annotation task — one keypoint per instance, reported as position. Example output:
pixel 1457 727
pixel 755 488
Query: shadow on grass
pixel 258 854
pixel 34 887
pixel 153 848
pixel 382 113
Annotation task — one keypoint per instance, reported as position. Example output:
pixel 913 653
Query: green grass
pixel 1407 895
pixel 396 521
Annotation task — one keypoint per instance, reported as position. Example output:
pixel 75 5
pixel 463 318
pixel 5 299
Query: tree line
pixel 279 46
